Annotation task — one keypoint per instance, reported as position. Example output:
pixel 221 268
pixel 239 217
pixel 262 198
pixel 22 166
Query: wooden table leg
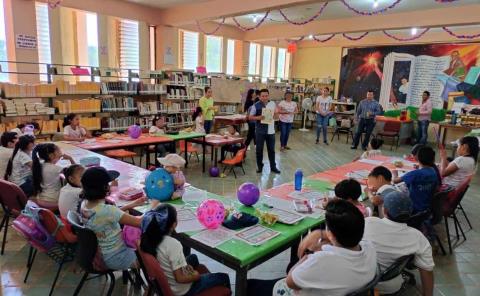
pixel 241 282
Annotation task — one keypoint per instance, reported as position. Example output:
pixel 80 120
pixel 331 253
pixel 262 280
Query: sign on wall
pixel 26 41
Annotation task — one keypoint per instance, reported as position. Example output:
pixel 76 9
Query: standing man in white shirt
pixel 393 238
pixel 8 141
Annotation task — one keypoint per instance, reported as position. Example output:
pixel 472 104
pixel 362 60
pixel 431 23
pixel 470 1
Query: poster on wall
pixel 26 41
pixel 400 74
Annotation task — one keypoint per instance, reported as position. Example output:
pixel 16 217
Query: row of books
pixel 132 87
pixel 81 87
pixel 26 107
pixel 11 90
pixel 119 123
pixel 118 104
pixel 230 109
pixel 179 120
pixel 78 106
pixel 151 108
pixel 154 89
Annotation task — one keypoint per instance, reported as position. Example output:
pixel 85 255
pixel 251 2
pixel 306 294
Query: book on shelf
pixel 48 126
pixel 145 88
pixel 26 107
pixel 178 120
pixel 230 109
pixel 119 123
pixel 112 104
pixel 80 87
pixel 11 90
pixel 180 78
pixel 149 108
pixel 90 123
pixel 120 87
pixel 78 106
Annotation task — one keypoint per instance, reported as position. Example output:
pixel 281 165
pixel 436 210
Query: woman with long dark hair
pixel 19 168
pixel 462 167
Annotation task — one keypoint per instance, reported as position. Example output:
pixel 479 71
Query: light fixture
pixel 375 3
pixel 310 36
pixel 413 31
pixel 254 18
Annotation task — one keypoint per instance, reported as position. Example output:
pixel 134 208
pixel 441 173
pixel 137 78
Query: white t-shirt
pixel 371 153
pixel 156 130
pixel 170 256
pixel 393 240
pixel 335 271
pixel 17 131
pixel 51 184
pixel 288 107
pixel 68 199
pixel 79 132
pixel 199 127
pixel 466 168
pixel 323 104
pixel 5 154
pixel 20 170
pixel 382 191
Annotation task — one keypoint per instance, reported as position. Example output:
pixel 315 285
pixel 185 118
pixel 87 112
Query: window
pixel 214 53
pixel 230 56
pixel 282 53
pixel 189 50
pixel 92 39
pixel 153 47
pixel 253 60
pixel 129 46
pixel 267 61
pixel 43 38
pixel 3 44
pixel 287 65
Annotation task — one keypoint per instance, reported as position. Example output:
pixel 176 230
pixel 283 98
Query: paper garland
pixel 306 21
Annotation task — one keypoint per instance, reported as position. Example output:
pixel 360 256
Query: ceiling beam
pixel 188 13
pixel 460 15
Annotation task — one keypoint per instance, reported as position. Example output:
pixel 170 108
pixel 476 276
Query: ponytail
pixel 41 151
pixel 22 144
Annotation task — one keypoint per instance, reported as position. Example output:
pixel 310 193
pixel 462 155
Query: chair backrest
pixel 154 272
pixel 454 197
pixel 416 220
pixel 392 126
pixel 396 268
pixel 365 290
pixel 87 242
pixel 12 198
pixel 52 224
pixel 438 202
pixel 240 155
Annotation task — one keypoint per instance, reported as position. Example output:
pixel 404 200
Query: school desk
pixel 446 127
pixel 216 141
pixel 187 137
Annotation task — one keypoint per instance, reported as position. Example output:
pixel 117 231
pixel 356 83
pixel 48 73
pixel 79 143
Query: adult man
pixel 8 141
pixel 264 132
pixel 365 118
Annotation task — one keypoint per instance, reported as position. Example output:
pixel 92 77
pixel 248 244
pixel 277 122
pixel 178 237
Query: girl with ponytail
pixel 46 172
pixel 19 168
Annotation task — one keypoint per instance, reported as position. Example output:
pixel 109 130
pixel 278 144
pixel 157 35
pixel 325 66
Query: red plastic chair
pixel 190 149
pixel 391 129
pixel 158 283
pixel 13 200
pixel 235 161
pixel 121 154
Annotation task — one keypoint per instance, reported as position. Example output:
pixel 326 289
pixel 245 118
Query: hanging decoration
pixel 382 10
pixel 306 21
pixel 460 36
pixel 251 28
pixel 325 39
pixel 355 38
pixel 219 25
pixel 295 40
pixel 406 39
pixel 292 47
pixel 52 4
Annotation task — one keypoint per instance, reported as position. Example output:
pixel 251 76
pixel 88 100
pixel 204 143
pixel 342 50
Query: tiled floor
pixel 457 274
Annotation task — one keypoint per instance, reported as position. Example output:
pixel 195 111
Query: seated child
pixel 351 190
pixel 463 166
pixel 72 131
pixel 46 174
pixel 173 163
pixel 373 149
pixel 414 152
pixel 182 276
pixel 21 128
pixel 8 141
pixel 105 220
pixel 230 132
pixel 158 128
pixel 19 167
pixel 379 183
pixel 69 199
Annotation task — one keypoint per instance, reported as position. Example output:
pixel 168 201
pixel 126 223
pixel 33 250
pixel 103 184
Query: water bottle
pixel 298 179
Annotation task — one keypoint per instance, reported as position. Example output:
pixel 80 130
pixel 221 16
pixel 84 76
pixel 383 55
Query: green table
pixel 187 136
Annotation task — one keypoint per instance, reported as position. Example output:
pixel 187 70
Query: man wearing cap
pixel 392 239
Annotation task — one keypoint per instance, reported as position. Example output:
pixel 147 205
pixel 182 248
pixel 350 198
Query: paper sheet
pixel 359 174
pixel 287 205
pixel 256 235
pixel 286 217
pixel 268 116
pixel 213 237
pixel 371 161
pixel 187 221
pixel 306 195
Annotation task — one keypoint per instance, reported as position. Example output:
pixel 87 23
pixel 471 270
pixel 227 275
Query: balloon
pixel 159 185
pixel 248 194
pixel 211 213
pixel 214 171
pixel 134 131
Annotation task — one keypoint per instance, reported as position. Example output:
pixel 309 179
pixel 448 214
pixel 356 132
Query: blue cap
pixel 398 205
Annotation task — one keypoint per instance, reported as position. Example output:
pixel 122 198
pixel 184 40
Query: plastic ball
pixel 248 194
pixel 134 131
pixel 159 185
pixel 211 213
pixel 214 171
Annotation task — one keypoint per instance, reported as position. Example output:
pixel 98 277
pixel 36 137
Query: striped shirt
pixel 368 109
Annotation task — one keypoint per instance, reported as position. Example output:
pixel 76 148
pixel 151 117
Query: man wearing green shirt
pixel 206 103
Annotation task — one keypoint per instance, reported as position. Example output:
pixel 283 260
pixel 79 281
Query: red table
pixel 216 141
pixel 236 119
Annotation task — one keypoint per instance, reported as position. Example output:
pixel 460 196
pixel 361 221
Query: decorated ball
pixel 159 185
pixel 248 194
pixel 214 171
pixel 134 131
pixel 211 213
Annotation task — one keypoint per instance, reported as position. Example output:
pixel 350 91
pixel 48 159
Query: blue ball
pixel 159 185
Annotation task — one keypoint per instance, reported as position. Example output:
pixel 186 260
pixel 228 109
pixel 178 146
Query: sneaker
pixel 259 170
pixel 282 149
pixel 353 148
pixel 326 143
pixel 275 170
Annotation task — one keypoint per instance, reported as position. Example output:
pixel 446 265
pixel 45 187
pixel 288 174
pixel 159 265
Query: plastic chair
pixel 398 268
pixel 237 160
pixel 391 129
pixel 157 280
pixel 438 201
pixel 190 149
pixel 13 200
pixel 343 130
pixel 121 154
pixel 450 207
pixel 369 288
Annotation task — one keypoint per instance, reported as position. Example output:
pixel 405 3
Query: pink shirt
pixel 425 110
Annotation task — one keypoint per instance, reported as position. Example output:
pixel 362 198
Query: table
pixel 448 126
pixel 235 119
pixel 188 136
pixel 216 141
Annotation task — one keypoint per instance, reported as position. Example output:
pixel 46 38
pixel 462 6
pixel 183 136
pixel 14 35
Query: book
pixel 268 116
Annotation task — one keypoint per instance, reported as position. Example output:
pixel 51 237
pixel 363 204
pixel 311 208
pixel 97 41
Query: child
pixel 105 219
pixel 172 164
pixel 199 120
pixel 230 132
pixel 19 168
pixel 157 227
pixel 379 183
pixel 72 131
pixel 462 167
pixel 350 190
pixel 69 198
pixel 8 141
pixel 46 174
pixel 421 183
pixel 158 128
pixel 414 152
pixel 373 149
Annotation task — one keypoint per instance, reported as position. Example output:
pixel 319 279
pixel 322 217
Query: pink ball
pixel 134 131
pixel 211 213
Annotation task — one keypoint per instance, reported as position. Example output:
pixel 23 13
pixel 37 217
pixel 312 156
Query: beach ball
pixel 211 213
pixel 214 171
pixel 248 194
pixel 134 131
pixel 159 185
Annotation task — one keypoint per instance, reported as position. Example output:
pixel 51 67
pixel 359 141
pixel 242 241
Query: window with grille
pixel 282 53
pixel 3 44
pixel 189 50
pixel 266 62
pixel 214 53
pixel 253 61
pixel 129 46
pixel 43 38
pixel 230 56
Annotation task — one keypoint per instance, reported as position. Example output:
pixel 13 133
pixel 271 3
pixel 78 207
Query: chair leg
pixel 5 221
pixel 196 154
pixel 439 242
pixel 456 226
pixel 80 285
pixel 448 235
pixel 243 169
pixel 459 226
pixel 464 214
pixel 224 168
pixel 31 258
pixel 112 283
pixel 58 273
pixel 233 170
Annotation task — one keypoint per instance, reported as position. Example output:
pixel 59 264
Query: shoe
pixel 353 148
pixel 288 148
pixel 316 142
pixel 260 170
pixel 326 143
pixel 275 170
pixel 282 149
pixel 248 149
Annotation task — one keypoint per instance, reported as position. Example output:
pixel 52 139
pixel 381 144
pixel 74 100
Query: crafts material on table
pixel 286 217
pixel 306 194
pixel 371 161
pixel 287 205
pixel 256 235
pixel 187 221
pixel 360 174
pixel 213 237
pixel 267 116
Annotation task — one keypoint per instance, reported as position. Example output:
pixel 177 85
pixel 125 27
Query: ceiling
pixel 165 3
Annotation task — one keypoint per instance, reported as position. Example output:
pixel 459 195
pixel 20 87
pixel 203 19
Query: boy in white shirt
pixel 8 141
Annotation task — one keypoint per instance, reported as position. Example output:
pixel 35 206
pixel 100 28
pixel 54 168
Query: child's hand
pixel 443 153
pixel 395 173
pixel 139 201
pixel 325 202
pixel 176 196
pixel 67 157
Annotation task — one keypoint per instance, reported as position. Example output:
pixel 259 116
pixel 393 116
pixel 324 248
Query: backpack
pixel 29 225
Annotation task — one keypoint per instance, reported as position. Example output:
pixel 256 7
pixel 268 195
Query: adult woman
pixel 287 109
pixel 424 115
pixel 462 167
pixel 249 101
pixel 322 108
pixel 206 103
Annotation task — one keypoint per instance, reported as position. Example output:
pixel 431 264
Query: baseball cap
pixel 398 205
pixel 173 160
pixel 98 177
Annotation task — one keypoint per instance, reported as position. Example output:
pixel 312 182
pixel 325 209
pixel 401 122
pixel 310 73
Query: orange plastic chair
pixel 121 154
pixel 190 149
pixel 236 160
